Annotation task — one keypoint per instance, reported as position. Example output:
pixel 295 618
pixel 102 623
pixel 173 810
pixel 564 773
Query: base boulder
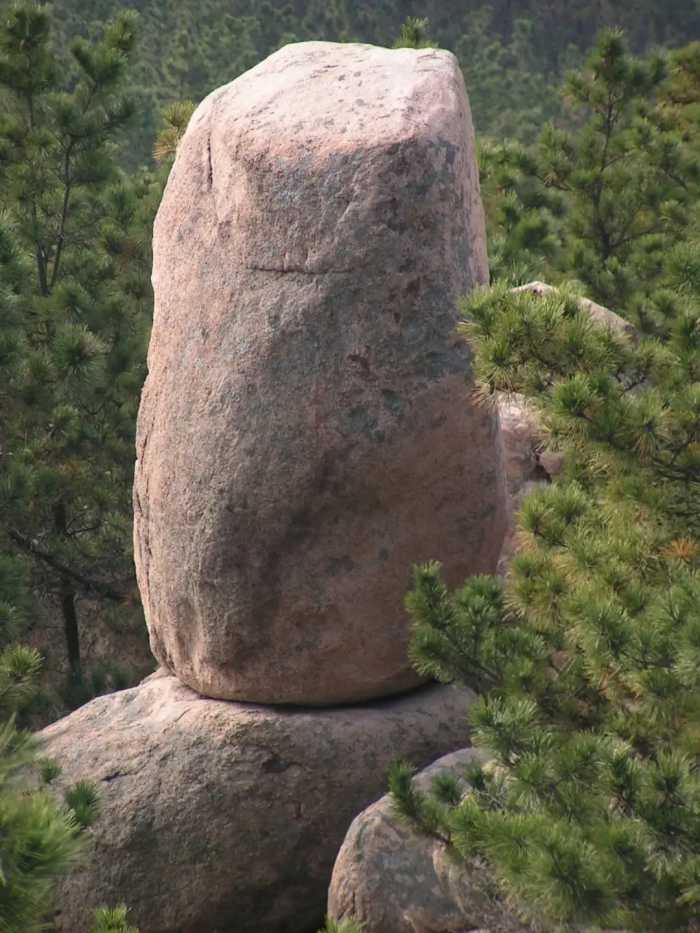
pixel 221 817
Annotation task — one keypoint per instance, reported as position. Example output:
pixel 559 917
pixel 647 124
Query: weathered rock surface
pixel 305 432
pixel 221 817
pixel 392 880
pixel 522 439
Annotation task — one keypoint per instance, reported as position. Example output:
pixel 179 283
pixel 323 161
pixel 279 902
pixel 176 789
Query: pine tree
pixel 414 34
pixel 588 658
pixel 175 120
pixel 605 199
pixel 75 302
pixel 40 838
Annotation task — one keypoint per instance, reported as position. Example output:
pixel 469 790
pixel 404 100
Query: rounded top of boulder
pixel 302 132
pixel 407 92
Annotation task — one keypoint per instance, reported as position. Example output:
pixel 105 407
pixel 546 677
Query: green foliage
pixel 83 800
pixel 112 920
pixel 49 770
pixel 606 198
pixel 402 788
pixel 414 34
pixel 175 117
pixel 510 94
pixel 19 667
pixel 39 840
pixel 75 302
pixel 588 657
pixel 341 926
pixel 443 623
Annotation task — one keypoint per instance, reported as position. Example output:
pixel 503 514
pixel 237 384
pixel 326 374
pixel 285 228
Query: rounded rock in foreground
pixel 305 432
pixel 220 817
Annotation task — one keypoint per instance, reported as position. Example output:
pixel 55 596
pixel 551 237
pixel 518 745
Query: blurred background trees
pixel 76 301
pixel 514 54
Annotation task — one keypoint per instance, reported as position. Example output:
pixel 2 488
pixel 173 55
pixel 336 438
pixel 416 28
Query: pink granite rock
pixel 306 432
pixel 220 817
pixel 522 438
pixel 390 879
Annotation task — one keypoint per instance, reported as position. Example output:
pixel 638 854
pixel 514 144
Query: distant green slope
pixel 512 51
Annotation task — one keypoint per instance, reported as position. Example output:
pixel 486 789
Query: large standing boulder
pixel 221 817
pixel 392 880
pixel 306 432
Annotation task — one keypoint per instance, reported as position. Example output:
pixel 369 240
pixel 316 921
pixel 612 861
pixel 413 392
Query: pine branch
pixel 91 585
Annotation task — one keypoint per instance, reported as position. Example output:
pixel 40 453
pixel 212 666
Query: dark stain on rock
pixel 392 402
pixel 275 765
pixel 339 565
pixel 360 421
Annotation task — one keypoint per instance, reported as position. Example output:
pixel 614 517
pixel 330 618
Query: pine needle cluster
pixel 40 836
pixel 588 657
pixel 414 34
pixel 41 832
pixel 112 920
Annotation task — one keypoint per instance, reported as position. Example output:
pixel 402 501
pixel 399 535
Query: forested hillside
pixel 513 52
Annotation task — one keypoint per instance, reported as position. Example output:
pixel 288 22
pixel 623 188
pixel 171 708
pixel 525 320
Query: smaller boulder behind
pixel 392 880
pixel 527 462
pixel 522 438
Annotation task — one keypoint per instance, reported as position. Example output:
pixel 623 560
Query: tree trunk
pixel 68 607
pixel 70 628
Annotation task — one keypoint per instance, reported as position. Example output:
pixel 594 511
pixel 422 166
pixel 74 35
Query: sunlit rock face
pixel 307 430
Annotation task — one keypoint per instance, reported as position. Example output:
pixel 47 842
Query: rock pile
pixel 305 435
